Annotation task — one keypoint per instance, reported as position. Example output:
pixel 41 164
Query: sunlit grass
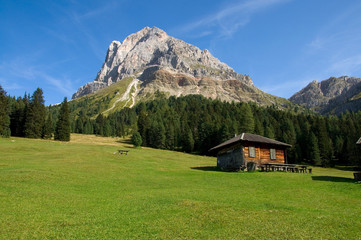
pixel 84 190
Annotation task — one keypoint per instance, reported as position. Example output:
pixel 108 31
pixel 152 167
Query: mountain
pixel 331 96
pixel 151 61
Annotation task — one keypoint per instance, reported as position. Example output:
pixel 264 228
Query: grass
pixel 83 190
pixel 103 99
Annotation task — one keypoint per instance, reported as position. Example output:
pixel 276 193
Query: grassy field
pixel 83 190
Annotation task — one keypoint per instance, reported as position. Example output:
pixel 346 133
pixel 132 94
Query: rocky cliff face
pixel 334 95
pixel 152 47
pixel 156 61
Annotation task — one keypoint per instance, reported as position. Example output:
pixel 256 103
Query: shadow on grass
pixel 347 168
pixel 208 169
pixel 332 179
pixel 126 141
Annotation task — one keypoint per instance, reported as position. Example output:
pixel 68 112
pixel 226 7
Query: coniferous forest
pixel 191 124
pixel 28 117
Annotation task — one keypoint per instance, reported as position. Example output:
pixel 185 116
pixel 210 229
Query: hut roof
pixel 247 137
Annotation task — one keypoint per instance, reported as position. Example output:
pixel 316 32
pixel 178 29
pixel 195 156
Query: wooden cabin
pixel 235 153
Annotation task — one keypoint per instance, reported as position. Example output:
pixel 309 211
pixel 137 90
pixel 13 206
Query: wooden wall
pixel 263 154
pixel 237 155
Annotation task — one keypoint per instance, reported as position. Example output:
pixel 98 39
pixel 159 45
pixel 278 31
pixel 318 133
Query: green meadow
pixel 85 190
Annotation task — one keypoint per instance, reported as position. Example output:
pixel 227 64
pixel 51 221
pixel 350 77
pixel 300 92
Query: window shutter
pixel 273 153
pixel 251 152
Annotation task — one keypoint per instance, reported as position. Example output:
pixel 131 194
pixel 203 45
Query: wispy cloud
pixel 286 88
pixel 63 84
pixel 18 69
pixel 77 25
pixel 337 45
pixel 229 19
pixel 80 19
pixel 345 66
pixel 8 85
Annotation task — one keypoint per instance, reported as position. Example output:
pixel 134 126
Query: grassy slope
pixel 103 99
pixel 82 190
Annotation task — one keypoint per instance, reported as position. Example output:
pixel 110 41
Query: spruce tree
pixel 325 143
pixel 313 150
pixel 157 134
pixel 247 120
pixel 88 127
pixel 48 127
pixel 62 130
pixel 268 132
pixel 99 125
pixel 107 129
pixel 35 115
pixel 4 114
pixel 17 117
pixel 188 142
pixel 137 139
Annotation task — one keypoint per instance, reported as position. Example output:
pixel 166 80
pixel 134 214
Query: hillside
pixel 157 62
pixel 82 190
pixel 331 96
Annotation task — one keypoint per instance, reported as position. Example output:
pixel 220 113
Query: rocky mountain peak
pixel 153 47
pixel 328 93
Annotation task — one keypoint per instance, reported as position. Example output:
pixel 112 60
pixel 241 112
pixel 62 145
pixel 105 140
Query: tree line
pixel 195 124
pixel 28 117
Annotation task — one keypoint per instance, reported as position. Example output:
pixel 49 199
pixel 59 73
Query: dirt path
pixel 126 95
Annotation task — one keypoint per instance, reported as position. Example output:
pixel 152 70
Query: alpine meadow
pixel 236 119
pixel 83 189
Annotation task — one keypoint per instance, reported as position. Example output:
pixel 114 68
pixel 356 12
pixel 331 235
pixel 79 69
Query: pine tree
pixel 157 134
pixel 35 115
pixel 99 125
pixel 107 129
pixel 223 133
pixel 88 127
pixel 62 130
pixel 247 120
pixel 188 142
pixel 258 128
pixel 137 139
pixel 79 125
pixel 17 117
pixel 4 114
pixel 313 150
pixel 325 143
pixel 170 138
pixel 268 132
pixel 143 126
pixel 48 127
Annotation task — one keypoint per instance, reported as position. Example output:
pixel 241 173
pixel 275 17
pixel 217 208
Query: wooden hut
pixel 235 153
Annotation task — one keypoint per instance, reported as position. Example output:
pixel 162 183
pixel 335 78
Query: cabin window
pixel 273 153
pixel 251 152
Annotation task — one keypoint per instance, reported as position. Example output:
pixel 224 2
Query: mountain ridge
pixel 333 95
pixel 163 63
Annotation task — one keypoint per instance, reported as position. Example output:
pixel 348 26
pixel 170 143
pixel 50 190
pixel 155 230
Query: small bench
pixel 121 152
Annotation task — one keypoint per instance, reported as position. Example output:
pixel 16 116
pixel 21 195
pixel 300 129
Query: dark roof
pixel 359 141
pixel 247 137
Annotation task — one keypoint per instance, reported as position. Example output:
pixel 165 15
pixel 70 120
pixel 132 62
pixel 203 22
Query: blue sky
pixel 281 44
